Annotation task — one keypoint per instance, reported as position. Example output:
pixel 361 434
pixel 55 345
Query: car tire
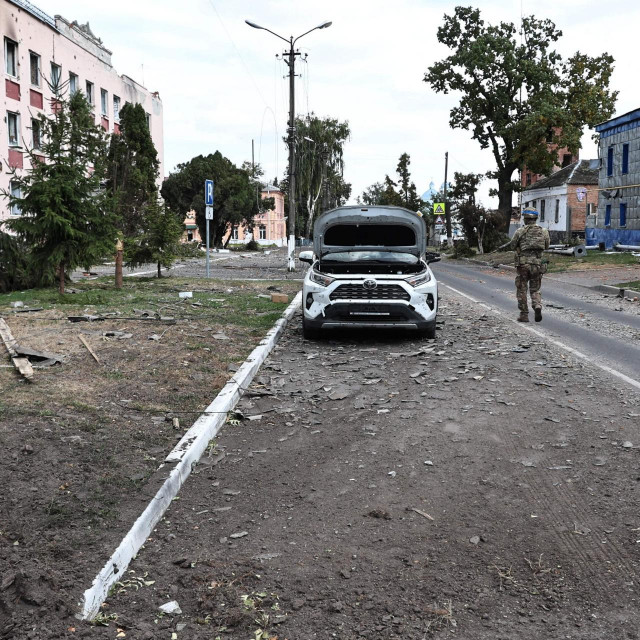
pixel 429 333
pixel 309 333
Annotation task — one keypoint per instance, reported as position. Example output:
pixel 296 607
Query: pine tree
pixel 159 241
pixel 132 173
pixel 63 218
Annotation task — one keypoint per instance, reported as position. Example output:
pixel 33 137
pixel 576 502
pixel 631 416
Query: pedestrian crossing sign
pixel 438 207
pixel 439 220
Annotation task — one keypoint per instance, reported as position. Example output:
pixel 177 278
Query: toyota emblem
pixel 370 284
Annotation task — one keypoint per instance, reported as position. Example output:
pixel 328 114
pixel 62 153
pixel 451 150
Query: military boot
pixel 538 313
pixel 524 316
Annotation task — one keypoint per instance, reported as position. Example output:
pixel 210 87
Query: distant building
pixel 564 159
pixel 38 50
pixel 269 227
pixel 565 199
pixel 191 232
pixel 618 216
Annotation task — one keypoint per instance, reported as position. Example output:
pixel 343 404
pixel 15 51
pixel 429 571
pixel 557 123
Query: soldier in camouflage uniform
pixel 529 242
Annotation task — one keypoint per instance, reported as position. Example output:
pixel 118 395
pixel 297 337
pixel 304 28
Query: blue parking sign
pixel 208 193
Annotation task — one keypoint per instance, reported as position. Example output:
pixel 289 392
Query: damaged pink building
pixel 40 52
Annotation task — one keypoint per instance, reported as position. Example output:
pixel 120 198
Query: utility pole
pixel 290 59
pixel 291 260
pixel 447 213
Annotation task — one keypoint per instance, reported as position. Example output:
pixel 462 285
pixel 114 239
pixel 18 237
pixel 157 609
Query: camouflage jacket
pixel 529 242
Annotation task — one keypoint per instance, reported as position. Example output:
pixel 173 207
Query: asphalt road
pixel 572 315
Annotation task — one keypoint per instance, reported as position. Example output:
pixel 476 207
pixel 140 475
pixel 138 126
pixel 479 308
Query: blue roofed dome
pixel 430 193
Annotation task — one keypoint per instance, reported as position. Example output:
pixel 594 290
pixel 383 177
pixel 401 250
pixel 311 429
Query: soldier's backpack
pixel 532 240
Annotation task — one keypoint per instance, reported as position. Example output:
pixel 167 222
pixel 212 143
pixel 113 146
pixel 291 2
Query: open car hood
pixel 374 228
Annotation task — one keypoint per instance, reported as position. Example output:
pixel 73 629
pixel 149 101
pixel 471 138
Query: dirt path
pixel 481 486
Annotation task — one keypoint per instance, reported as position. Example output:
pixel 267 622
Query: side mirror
pixel 433 257
pixel 306 256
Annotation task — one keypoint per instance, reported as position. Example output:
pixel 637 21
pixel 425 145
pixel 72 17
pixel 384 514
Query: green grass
pixel 559 263
pixel 241 307
pixel 634 285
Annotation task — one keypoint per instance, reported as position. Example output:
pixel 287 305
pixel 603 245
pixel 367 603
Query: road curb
pixel 616 291
pixel 184 455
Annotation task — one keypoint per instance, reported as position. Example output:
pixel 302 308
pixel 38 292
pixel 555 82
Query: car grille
pixel 358 292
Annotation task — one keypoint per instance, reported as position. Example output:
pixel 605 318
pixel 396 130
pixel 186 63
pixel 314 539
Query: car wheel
pixel 429 333
pixel 309 333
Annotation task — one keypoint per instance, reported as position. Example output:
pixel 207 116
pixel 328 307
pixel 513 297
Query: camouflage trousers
pixel 528 274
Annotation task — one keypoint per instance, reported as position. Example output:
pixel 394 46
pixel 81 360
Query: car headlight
pixel 320 278
pixel 421 278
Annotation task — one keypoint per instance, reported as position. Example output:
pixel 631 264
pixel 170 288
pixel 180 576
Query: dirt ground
pixel 80 443
pixel 482 486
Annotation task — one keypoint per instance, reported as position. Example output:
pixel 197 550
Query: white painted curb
pixel 186 453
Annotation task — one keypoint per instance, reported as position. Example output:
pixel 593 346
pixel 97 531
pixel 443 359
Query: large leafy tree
pixel 63 218
pixel 235 199
pixel 319 167
pixel 517 93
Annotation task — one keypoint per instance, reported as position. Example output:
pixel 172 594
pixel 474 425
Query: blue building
pixel 618 214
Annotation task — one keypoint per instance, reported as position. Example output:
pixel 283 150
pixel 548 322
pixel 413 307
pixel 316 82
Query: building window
pixel 116 108
pixel 36 135
pixel 610 161
pixel 263 232
pixel 557 217
pixel 11 57
pixel 89 92
pixel 543 206
pixel 590 208
pixel 56 75
pixel 607 216
pixel 73 83
pixel 104 97
pixel 148 121
pixel 234 233
pixel 34 62
pixel 567 159
pixel 623 214
pixel 528 178
pixel 13 124
pixel 14 189
pixel 625 158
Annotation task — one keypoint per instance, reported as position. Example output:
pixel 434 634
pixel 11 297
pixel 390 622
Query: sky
pixel 222 86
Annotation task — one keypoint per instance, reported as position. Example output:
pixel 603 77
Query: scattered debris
pixel 85 318
pixel 185 294
pixel 22 364
pixel 89 349
pixel 627 445
pixel 240 534
pixel 474 540
pixel 379 513
pixel 171 608
pixel 279 297
pixel 420 512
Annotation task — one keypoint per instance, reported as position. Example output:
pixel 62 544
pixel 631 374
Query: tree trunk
pixel 119 269
pixel 505 200
pixel 159 270
pixel 61 277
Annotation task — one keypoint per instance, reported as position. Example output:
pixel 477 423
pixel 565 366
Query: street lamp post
pixel 290 59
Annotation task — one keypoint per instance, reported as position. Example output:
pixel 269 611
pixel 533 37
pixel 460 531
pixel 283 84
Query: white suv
pixel 369 268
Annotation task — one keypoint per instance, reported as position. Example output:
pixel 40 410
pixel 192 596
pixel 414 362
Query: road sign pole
pixel 208 202
pixel 207 247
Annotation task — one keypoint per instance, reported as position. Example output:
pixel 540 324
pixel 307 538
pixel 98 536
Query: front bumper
pixel 418 311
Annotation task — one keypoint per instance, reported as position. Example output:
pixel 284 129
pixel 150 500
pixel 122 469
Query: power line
pixel 244 64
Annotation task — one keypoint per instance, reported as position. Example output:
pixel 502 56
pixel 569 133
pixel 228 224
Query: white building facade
pixel 39 51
